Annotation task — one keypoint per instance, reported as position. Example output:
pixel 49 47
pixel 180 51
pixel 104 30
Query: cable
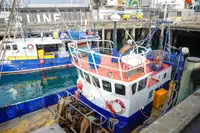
pixel 137 102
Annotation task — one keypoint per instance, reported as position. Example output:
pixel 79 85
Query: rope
pixel 102 96
pixel 138 105
pixel 64 22
pixel 129 34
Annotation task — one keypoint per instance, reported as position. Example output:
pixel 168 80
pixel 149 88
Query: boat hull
pixel 29 66
pixel 126 124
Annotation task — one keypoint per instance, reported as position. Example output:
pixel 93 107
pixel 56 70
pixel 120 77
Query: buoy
pixel 77 94
pixel 42 62
pixel 79 85
pixel 44 78
pixel 188 2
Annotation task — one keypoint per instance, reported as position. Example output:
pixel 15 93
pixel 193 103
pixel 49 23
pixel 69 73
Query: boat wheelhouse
pixel 120 87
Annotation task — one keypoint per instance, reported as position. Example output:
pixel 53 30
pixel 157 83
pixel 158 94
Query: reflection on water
pixel 18 88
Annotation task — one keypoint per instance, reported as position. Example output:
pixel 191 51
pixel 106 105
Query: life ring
pixel 111 108
pixel 79 85
pixel 30 47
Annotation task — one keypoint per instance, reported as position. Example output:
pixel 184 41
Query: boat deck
pixel 107 66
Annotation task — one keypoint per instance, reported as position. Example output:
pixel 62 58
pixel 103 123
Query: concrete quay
pixel 178 118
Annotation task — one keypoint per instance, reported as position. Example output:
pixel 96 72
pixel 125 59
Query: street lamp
pixel 115 18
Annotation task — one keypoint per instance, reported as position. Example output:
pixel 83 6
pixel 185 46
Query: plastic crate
pixel 159 98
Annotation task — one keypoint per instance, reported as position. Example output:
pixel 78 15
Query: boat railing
pixel 108 43
pixel 103 119
pixel 125 70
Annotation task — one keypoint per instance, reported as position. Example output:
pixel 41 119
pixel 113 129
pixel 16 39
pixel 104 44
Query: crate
pixel 159 98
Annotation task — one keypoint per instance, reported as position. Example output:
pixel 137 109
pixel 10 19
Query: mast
pixel 7 30
pixel 163 28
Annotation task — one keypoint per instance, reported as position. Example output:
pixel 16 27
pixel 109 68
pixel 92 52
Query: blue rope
pixel 155 29
pixel 169 49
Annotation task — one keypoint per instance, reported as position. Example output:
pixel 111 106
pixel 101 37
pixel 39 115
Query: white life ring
pixel 113 109
pixel 30 46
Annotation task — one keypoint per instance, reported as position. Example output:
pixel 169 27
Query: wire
pixel 137 102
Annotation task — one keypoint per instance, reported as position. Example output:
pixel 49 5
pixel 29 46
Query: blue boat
pixel 25 55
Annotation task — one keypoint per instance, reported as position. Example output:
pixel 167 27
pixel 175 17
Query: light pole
pixel 115 18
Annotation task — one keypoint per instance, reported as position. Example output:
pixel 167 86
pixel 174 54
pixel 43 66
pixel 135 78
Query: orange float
pixel 79 85
pixel 77 94
pixel 188 2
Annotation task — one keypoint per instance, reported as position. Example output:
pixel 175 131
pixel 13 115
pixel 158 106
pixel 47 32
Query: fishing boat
pixel 23 55
pixel 33 54
pixel 121 87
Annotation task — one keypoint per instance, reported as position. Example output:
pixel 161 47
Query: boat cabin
pixel 33 48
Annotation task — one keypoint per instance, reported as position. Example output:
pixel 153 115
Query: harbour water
pixel 23 87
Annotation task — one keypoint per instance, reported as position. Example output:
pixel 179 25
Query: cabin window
pixel 150 94
pixel 120 89
pixel 14 47
pixel 142 84
pixel 95 82
pixel 165 75
pixel 107 86
pixel 81 73
pixel 8 47
pixel 134 88
pixel 87 77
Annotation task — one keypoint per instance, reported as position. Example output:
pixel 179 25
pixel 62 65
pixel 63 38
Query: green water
pixel 19 88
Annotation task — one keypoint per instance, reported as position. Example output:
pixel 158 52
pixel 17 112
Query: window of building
pixel 120 89
pixel 142 84
pixel 150 94
pixel 95 81
pixel 14 47
pixel 8 47
pixel 107 86
pixel 165 75
pixel 179 13
pixel 134 88
pixel 87 77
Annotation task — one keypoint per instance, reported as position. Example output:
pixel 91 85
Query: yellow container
pixel 55 35
pixel 140 15
pixel 126 16
pixel 41 53
pixel 49 55
pixel 22 57
pixel 159 98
